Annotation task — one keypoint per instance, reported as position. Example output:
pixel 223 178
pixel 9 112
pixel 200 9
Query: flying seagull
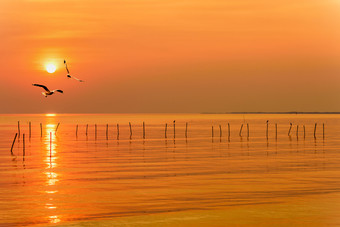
pixel 48 92
pixel 68 73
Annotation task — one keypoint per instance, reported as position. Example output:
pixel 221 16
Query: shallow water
pixel 100 179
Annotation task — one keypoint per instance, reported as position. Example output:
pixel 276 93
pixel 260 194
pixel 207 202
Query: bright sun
pixel 51 68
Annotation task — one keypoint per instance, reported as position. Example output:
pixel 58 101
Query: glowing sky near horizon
pixel 170 56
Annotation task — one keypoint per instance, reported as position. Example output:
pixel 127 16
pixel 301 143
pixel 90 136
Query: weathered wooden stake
pixel 165 130
pixel 228 132
pixel 87 128
pixel 275 130
pixel 267 130
pixel 56 129
pixel 212 131
pixel 23 144
pixel 15 137
pixel 247 130
pixel 323 130
pixel 174 129
pixel 315 131
pixel 290 128
pixel 29 131
pixel 297 131
pixel 240 134
pixel 107 131
pixel 95 131
pixel 117 131
pixel 18 129
pixel 186 129
pixel 130 130
pixel 143 130
pixel 304 131
pixel 77 131
pixel 40 129
pixel 220 131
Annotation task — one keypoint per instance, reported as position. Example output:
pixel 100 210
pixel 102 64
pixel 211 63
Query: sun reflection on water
pixel 54 219
pixel 51 157
pixel 50 115
pixel 51 178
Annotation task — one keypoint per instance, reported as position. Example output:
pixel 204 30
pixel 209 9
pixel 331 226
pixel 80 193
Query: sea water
pixel 187 171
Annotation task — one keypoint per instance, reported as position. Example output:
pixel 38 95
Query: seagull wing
pixel 68 72
pixel 61 91
pixel 78 79
pixel 43 86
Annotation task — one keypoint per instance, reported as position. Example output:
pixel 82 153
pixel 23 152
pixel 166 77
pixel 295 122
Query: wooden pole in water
pixel 143 130
pixel 315 131
pixel 87 128
pixel 275 130
pixel 304 131
pixel 297 131
pixel 23 144
pixel 117 131
pixel 220 131
pixel 267 130
pixel 29 131
pixel 40 129
pixel 56 129
pixel 77 131
pixel 323 130
pixel 228 132
pixel 247 130
pixel 165 130
pixel 174 129
pixel 186 129
pixel 15 137
pixel 240 134
pixel 290 128
pixel 212 131
pixel 95 131
pixel 18 129
pixel 107 131
pixel 130 130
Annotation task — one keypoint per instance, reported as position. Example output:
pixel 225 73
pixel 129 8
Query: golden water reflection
pixel 54 219
pixel 51 157
pixel 194 181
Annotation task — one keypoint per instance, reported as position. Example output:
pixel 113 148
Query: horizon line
pixel 232 112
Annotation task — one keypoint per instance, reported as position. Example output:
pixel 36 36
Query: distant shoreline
pixel 290 112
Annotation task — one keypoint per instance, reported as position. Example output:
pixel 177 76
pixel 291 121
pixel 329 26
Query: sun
pixel 51 68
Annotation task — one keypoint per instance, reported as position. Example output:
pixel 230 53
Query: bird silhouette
pixel 48 92
pixel 68 74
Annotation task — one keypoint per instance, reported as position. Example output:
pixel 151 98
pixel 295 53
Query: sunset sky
pixel 170 55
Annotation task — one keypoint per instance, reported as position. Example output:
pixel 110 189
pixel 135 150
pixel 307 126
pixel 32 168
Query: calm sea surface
pixel 99 179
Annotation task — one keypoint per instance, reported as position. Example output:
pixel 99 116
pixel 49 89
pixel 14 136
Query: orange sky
pixel 171 55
